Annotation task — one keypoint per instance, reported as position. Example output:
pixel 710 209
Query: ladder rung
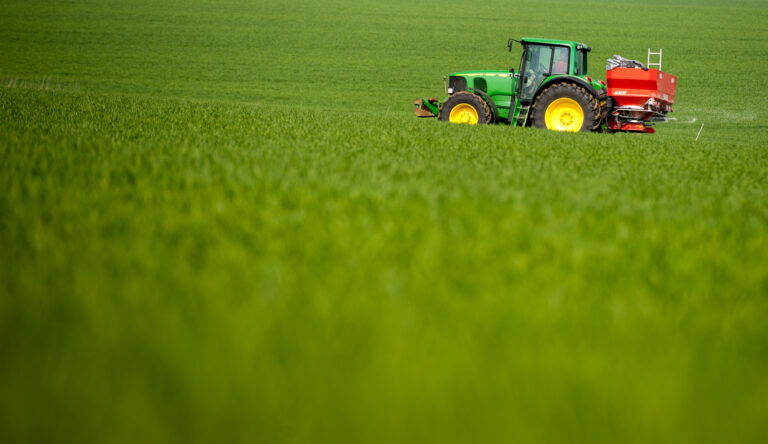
pixel 650 53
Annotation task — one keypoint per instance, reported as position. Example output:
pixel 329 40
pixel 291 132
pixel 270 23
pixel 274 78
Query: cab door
pixel 537 60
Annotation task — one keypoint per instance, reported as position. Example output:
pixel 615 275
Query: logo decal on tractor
pixel 485 74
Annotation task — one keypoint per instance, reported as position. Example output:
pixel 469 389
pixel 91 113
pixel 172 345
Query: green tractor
pixel 550 90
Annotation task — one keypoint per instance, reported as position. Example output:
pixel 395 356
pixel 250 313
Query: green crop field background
pixel 221 222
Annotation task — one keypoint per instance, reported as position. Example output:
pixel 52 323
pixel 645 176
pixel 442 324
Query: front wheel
pixel 566 107
pixel 465 107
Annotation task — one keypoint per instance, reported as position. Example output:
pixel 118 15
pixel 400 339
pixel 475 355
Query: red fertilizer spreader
pixel 637 98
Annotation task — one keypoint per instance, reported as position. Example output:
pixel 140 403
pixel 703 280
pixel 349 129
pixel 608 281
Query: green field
pixel 220 222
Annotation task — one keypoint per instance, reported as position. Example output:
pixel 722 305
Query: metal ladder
pixel 649 64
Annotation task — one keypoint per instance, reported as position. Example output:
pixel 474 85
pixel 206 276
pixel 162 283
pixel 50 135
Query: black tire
pixel 481 108
pixel 590 108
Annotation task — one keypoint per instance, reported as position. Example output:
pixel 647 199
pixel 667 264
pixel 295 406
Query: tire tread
pixel 465 97
pixel 592 112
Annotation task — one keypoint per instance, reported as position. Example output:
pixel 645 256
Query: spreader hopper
pixel 640 97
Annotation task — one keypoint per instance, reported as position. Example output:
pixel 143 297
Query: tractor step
pixel 525 111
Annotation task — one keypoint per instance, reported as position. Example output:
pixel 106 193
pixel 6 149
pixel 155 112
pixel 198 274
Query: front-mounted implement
pixel 552 89
pixel 428 107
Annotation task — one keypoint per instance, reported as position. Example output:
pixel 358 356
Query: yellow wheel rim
pixel 564 114
pixel 463 113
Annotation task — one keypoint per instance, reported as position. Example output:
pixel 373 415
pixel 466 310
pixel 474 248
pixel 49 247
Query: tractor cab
pixel 545 58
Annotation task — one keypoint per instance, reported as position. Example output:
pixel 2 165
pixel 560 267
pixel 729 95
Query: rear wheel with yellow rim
pixel 566 107
pixel 467 108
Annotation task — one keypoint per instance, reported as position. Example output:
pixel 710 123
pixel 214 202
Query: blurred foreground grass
pixel 309 263
pixel 190 271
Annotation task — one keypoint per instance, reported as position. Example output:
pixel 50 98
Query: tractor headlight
pixel 450 90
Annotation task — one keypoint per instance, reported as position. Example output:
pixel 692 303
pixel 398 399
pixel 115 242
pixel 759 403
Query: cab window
pixel 561 60
pixel 581 63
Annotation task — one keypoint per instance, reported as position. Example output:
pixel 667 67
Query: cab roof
pixel 569 43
